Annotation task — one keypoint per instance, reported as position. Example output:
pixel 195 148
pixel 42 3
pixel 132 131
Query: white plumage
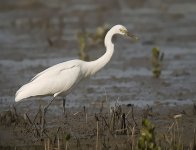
pixel 53 80
pixel 63 77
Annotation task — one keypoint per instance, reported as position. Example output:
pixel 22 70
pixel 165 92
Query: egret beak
pixel 132 36
pixel 126 33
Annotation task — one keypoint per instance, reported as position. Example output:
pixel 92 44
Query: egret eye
pixel 123 30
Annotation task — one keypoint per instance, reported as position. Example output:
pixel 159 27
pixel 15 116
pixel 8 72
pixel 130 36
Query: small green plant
pixel 147 139
pixel 156 59
pixel 82 40
pixel 66 139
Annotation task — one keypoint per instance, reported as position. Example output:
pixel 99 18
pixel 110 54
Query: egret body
pixel 63 77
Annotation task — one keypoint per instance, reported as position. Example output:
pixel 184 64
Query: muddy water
pixel 37 34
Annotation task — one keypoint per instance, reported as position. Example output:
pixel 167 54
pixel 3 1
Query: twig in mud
pixel 147 112
pixel 66 146
pixel 116 147
pixel 107 125
pixel 86 115
pixel 105 121
pixel 123 124
pixel 46 134
pixel 106 99
pixel 58 141
pixel 173 137
pixel 177 116
pixel 47 144
pixel 105 145
pixel 194 140
pixel 115 116
pixel 77 113
pixel 112 121
pixel 86 118
pixel 78 145
pixel 43 121
pixel 132 114
pixel 31 125
pixel 64 101
pixel 58 129
pixel 128 113
pixel 26 116
pixel 15 112
pixel 121 130
pixel 38 112
pixel 133 138
pixel 194 109
pixel 84 108
pixel 101 108
pixel 97 139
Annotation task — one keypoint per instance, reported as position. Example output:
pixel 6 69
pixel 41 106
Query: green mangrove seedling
pixel 147 139
pixel 156 60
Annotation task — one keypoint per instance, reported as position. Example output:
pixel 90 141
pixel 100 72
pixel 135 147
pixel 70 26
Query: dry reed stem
pixel 194 140
pixel 38 112
pixel 48 144
pixel 66 146
pixel 58 143
pixel 97 136
pixel 86 118
pixel 45 145
pixel 132 138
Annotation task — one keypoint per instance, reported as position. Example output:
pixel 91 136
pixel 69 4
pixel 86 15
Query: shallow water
pixel 25 50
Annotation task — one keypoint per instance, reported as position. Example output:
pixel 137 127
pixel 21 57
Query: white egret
pixel 63 77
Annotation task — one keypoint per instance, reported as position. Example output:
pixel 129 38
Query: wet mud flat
pixel 36 34
pixel 104 128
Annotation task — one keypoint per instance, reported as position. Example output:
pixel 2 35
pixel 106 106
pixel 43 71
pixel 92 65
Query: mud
pixel 37 34
pixel 24 131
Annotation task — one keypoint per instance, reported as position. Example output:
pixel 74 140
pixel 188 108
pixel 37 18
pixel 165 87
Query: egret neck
pixel 96 65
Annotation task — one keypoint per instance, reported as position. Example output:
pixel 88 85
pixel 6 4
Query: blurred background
pixel 36 34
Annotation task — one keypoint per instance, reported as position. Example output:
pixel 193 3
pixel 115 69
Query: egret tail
pixel 29 90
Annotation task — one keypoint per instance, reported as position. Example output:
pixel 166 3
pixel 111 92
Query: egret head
pixel 120 29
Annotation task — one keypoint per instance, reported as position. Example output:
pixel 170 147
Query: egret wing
pixel 56 68
pixel 56 79
pixel 61 81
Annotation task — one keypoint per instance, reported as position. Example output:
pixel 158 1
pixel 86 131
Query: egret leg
pixel 46 107
pixel 64 101
pixel 43 116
